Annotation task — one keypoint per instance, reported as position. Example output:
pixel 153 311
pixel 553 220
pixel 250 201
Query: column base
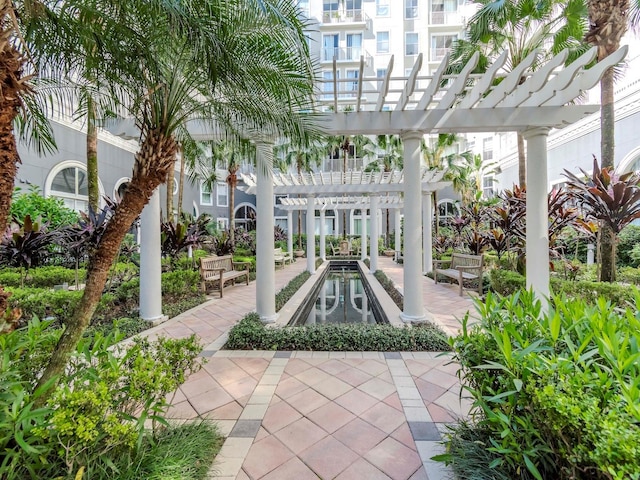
pixel 413 318
pixel 267 319
pixel 156 320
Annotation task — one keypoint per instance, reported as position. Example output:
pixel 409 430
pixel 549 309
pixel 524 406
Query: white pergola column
pixel 363 235
pixel 323 245
pixel 427 234
pixel 398 237
pixel 413 305
pixel 150 261
pixel 373 263
pixel 265 264
pixel 311 236
pixel 290 232
pixel 537 247
pixel 365 305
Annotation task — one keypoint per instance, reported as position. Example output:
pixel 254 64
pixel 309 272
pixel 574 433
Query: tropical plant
pixel 178 237
pixel 519 27
pixel 612 200
pixel 189 62
pixel 303 155
pixel 388 155
pixel 49 210
pixel 27 245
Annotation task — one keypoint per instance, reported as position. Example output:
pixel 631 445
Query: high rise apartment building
pixel 376 30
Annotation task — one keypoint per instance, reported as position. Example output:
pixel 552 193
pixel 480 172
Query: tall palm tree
pixel 240 64
pixel 520 27
pixel 388 155
pixel 466 171
pixel 303 156
pixel 608 22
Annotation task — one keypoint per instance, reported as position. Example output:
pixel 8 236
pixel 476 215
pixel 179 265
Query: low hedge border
pixel 251 334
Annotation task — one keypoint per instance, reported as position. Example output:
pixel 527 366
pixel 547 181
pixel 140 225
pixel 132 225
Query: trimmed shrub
pixel 506 282
pixel 284 295
pixel 390 288
pixel 628 239
pixel 251 334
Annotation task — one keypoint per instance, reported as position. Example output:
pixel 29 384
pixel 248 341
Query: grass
pixel 180 452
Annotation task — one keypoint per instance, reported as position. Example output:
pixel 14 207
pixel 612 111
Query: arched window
pixel 447 209
pixel 245 217
pixel 68 181
pixel 120 188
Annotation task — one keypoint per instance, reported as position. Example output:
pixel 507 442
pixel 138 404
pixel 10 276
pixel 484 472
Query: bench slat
pixel 221 269
pixel 461 267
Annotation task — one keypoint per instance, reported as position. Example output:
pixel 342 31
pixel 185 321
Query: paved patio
pixel 309 415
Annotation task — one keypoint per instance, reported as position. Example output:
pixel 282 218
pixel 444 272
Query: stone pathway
pixel 309 415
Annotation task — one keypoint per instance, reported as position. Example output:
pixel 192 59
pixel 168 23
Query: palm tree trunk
pixel 607 126
pixel 181 182
pixel 169 205
pixel 92 155
pixel 522 162
pixel 152 164
pixel 232 182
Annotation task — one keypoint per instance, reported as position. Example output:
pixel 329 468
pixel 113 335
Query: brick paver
pixel 326 415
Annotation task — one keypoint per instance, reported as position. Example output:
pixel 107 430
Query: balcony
pixel 446 18
pixel 349 54
pixel 340 17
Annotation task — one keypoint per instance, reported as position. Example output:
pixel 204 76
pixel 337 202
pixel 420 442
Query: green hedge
pixel 44 303
pixel 41 277
pixel 284 295
pixel 251 334
pixel 506 282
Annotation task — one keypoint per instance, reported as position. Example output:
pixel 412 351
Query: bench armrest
pixel 217 269
pixel 238 264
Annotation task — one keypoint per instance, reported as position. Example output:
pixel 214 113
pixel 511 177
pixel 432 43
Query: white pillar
pixel 323 245
pixel 537 217
pixel 591 248
pixel 265 264
pixel 373 263
pixel 427 234
pixel 150 263
pixel 311 236
pixel 290 232
pixel 398 238
pixel 363 234
pixel 413 305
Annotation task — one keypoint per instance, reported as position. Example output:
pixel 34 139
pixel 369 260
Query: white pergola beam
pixel 434 85
pixel 508 84
pixel 410 86
pixel 385 86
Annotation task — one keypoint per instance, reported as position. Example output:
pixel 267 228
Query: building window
pixel 222 223
pixel 68 181
pixel 446 211
pixel 410 8
pixel 354 10
pixel 380 74
pixel 352 86
pixel 487 149
pixel 359 222
pixel 245 217
pixel 328 84
pixel 330 47
pixel 303 5
pixel 440 9
pixel 206 194
pixel 354 46
pixel 382 42
pixel 222 197
pixel 487 186
pixel 440 45
pixel 411 46
pixel 382 8
pixel 329 10
pixel 282 223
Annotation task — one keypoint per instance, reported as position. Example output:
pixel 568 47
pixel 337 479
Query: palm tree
pixel 520 27
pixel 304 156
pixel 466 171
pixel 440 156
pixel 388 153
pixel 608 23
pixel 190 63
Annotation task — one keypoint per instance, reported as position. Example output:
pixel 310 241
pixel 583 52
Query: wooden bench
pixel 281 258
pixel 461 267
pixel 220 270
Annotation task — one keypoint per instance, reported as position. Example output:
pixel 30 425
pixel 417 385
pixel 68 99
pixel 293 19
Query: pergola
pixel 524 101
pixel 528 102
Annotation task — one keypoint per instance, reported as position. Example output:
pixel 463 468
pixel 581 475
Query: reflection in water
pixel 342 299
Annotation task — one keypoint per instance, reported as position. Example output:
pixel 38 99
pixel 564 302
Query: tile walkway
pixel 309 415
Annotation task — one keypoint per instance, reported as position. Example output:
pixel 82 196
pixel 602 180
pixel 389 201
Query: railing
pixel 345 16
pixel 349 54
pixel 446 18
